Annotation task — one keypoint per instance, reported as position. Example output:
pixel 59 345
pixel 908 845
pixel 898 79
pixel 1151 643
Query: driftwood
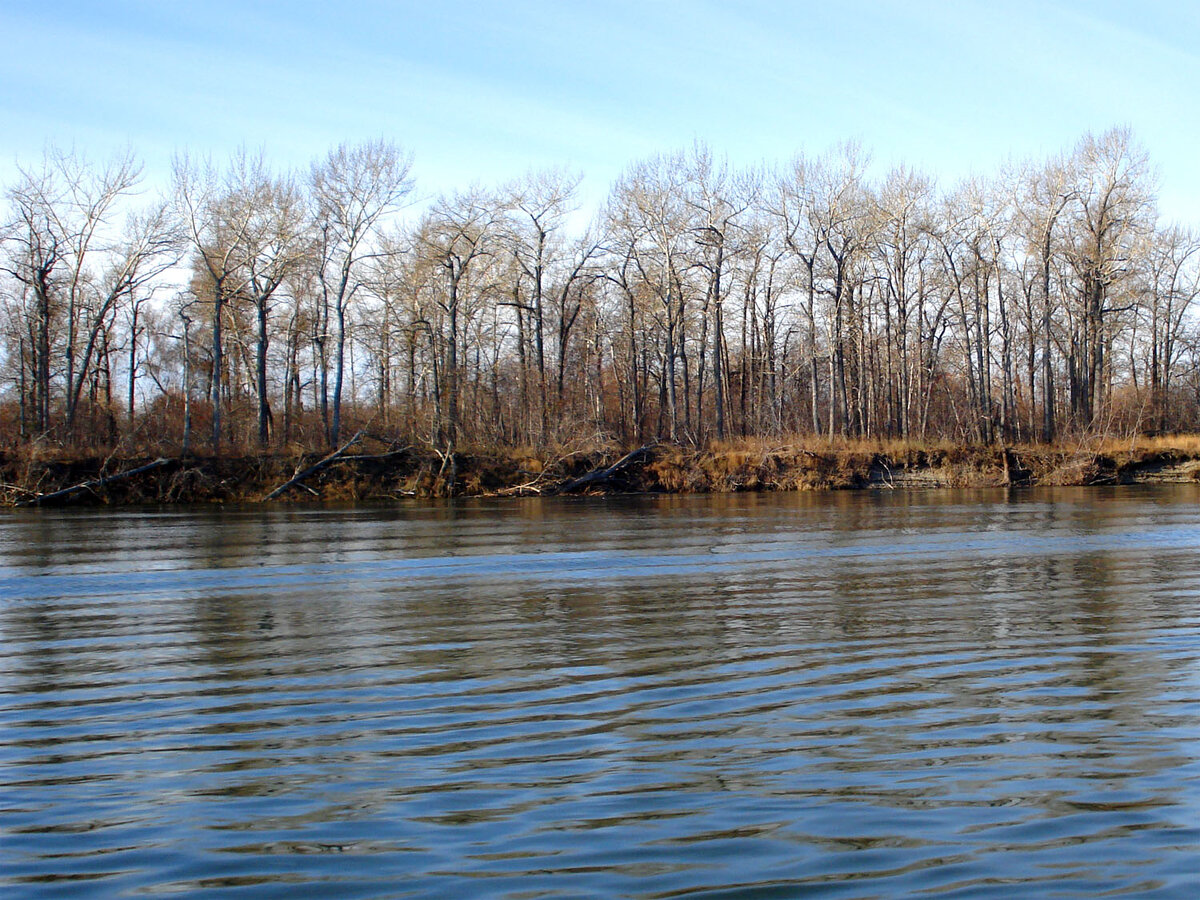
pixel 600 476
pixel 53 497
pixel 449 460
pixel 540 483
pixel 17 489
pixel 299 477
pixel 368 457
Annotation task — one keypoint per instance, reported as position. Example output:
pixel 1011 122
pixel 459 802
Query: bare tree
pixel 456 236
pixel 1042 195
pixel 1112 211
pixel 277 243
pixel 901 247
pixel 648 221
pixel 537 208
pixel 1172 276
pixel 218 216
pixel 718 199
pixel 355 188
pixel 63 250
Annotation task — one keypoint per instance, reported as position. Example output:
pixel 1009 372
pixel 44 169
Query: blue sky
pixel 485 91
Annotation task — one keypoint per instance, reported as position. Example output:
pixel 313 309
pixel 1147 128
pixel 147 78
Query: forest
pixel 250 309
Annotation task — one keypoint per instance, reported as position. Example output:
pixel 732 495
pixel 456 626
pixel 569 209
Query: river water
pixel 961 694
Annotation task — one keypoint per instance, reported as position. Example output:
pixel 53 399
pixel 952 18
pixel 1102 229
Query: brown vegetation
pixel 372 471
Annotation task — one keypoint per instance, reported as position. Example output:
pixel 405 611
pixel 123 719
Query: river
pixel 884 694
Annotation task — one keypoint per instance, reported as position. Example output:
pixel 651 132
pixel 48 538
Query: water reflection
pixel 854 694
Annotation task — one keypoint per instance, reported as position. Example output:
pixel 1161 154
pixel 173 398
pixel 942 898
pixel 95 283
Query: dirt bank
pixel 364 473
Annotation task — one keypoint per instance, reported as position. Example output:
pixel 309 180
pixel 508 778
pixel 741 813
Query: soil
pixel 364 474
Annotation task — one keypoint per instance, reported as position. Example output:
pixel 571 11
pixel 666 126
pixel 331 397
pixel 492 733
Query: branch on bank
pixel 299 477
pixel 602 476
pixel 542 481
pixel 65 493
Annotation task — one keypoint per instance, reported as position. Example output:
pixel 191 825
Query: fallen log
pixel 600 476
pixel 299 477
pixel 54 496
pixel 368 457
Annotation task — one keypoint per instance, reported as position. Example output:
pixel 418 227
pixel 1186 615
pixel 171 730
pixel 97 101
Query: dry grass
pixel 892 447
pixel 896 448
pixel 792 463
pixel 1187 444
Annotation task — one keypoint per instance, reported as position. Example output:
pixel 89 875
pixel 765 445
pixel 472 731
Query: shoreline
pixel 359 473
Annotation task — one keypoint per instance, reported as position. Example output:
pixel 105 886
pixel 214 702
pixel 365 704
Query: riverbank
pixel 363 472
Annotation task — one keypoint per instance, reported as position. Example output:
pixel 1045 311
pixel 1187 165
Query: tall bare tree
pixel 1112 210
pixel 64 248
pixel 457 236
pixel 218 216
pixel 355 189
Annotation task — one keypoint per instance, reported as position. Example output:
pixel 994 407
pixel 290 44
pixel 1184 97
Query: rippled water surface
pixel 848 695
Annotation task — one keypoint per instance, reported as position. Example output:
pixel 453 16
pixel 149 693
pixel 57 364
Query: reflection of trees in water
pixel 826 663
pixel 1030 656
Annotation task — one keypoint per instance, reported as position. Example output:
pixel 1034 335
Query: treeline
pixel 254 307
